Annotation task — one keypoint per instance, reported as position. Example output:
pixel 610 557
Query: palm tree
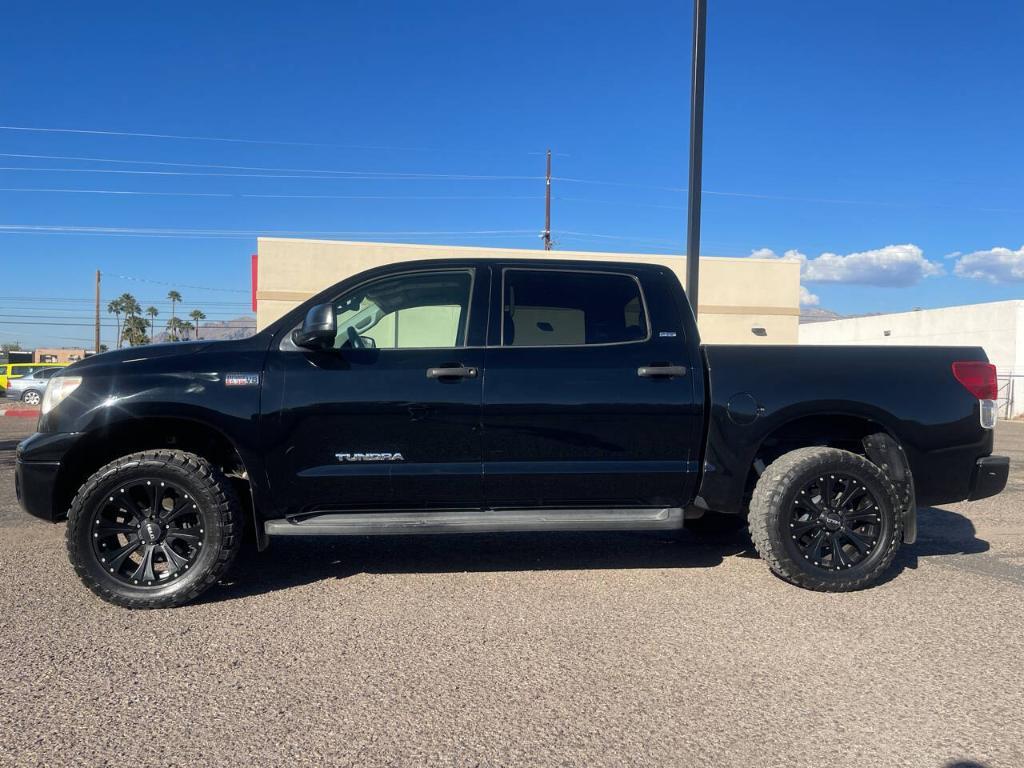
pixel 115 308
pixel 186 326
pixel 175 328
pixel 131 308
pixel 174 297
pixel 130 305
pixel 152 312
pixel 197 315
pixel 135 330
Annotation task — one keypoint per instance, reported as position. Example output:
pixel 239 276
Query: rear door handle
pixel 455 372
pixel 661 371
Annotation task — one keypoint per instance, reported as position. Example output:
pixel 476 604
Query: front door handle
pixel 661 371
pixel 455 372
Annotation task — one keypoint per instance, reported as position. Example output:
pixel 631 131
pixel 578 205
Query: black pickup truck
pixel 456 396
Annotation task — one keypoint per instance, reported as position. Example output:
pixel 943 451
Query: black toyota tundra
pixel 453 396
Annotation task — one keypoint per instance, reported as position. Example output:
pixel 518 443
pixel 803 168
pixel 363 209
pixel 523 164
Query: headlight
pixel 58 389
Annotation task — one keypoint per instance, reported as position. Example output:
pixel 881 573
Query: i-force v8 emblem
pixel 241 379
pixel 347 457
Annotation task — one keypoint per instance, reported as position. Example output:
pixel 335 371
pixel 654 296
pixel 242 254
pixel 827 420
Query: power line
pixel 619 203
pixel 155 231
pixel 83 314
pixel 759 196
pixel 218 302
pixel 207 165
pixel 400 197
pixel 117 192
pixel 108 319
pixel 267 142
pixel 34 129
pixel 178 285
pixel 108 326
pixel 334 176
pixel 617 237
pixel 143 193
pixel 71 311
pixel 647 247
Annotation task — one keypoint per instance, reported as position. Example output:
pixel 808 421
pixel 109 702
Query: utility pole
pixel 547 205
pixel 696 153
pixel 96 349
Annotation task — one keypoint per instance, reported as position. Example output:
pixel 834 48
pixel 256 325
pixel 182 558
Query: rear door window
pixel 556 308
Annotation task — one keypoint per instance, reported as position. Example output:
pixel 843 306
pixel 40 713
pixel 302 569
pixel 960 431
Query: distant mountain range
pixel 818 314
pixel 221 330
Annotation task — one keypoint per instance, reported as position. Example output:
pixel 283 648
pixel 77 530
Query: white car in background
pixel 30 389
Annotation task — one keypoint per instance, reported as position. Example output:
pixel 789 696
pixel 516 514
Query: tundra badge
pixel 370 457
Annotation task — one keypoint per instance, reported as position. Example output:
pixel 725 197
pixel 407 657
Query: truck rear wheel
pixel 154 529
pixel 825 519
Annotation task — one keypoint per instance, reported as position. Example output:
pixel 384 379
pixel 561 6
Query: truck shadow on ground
pixel 940 532
pixel 292 562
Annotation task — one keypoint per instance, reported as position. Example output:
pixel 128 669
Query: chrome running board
pixel 476 521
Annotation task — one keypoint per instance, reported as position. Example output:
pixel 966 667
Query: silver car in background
pixel 30 389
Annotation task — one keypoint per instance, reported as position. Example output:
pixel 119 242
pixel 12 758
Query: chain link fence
pixel 1006 398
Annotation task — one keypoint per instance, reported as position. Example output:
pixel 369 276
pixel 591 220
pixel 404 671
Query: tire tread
pixel 199 470
pixel 766 509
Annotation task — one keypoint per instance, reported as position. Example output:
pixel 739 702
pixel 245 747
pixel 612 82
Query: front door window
pixel 427 310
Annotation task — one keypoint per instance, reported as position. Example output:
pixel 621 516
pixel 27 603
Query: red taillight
pixel 978 378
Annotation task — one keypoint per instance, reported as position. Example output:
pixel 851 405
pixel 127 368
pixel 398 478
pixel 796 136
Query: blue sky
pixel 831 128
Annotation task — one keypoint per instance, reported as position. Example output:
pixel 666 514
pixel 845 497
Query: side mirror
pixel 318 330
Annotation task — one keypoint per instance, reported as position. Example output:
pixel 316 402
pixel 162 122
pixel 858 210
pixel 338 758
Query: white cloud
pixel 997 265
pixel 891 266
pixel 808 299
pixel 768 253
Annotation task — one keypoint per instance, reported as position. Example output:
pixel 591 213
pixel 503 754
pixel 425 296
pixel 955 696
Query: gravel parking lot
pixel 527 650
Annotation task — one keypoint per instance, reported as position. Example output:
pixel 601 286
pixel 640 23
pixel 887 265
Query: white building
pixel 998 327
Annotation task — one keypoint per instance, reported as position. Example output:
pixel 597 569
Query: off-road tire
pixel 218 506
pixel 775 492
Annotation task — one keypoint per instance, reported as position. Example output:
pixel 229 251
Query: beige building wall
pixel 737 295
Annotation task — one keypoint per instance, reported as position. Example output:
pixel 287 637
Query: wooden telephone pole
pixel 547 205
pixel 96 348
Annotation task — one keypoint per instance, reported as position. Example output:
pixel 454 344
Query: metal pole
pixel 96 348
pixel 696 154
pixel 547 206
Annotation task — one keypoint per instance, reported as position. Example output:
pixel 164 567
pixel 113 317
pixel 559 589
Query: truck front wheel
pixel 825 519
pixel 154 529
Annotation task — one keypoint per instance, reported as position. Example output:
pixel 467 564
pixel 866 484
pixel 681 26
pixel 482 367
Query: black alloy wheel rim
pixel 835 522
pixel 147 532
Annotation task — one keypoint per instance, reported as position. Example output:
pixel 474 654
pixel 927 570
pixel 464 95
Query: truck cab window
pixel 544 308
pixel 415 311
